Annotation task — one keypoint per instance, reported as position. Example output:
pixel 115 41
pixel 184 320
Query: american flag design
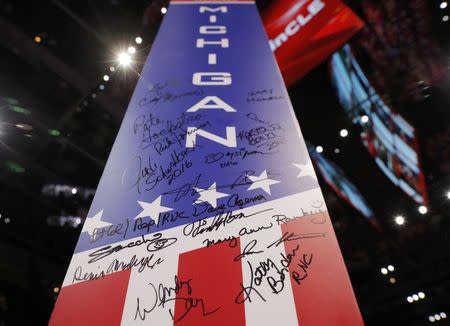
pixel 208 211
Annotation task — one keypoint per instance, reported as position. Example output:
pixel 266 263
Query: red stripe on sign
pixel 322 290
pixel 211 281
pixel 97 302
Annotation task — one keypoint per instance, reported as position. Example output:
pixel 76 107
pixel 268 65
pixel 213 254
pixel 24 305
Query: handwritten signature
pixel 159 93
pixel 164 294
pixel 146 262
pixel 156 243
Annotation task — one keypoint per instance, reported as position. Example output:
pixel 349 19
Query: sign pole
pixel 208 211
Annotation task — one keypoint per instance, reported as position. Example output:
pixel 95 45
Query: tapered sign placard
pixel 208 211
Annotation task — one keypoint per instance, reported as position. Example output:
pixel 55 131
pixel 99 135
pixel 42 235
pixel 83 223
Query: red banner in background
pixel 303 33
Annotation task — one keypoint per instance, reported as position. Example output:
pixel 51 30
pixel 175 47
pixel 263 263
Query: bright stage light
pixel 163 10
pixel 443 315
pixel 138 40
pixel 74 191
pixel 443 4
pixel 410 299
pixel 364 119
pixel 24 126
pixel 400 220
pixel 319 149
pixel 343 133
pixel 390 268
pixel 105 77
pixel 131 50
pixel 421 295
pixel 124 59
pixel 423 210
pixel 445 18
pixel 448 194
pixel 384 271
pixel 431 318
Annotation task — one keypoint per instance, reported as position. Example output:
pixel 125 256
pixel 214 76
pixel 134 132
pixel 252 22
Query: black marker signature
pixel 146 262
pixel 248 250
pixel 213 224
pixel 291 236
pixel 165 294
pixel 246 292
pixel 254 117
pixel 154 244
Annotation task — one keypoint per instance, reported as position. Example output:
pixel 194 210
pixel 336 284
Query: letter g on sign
pixel 211 78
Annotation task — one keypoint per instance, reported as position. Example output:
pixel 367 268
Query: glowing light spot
pixel 400 220
pixel 54 132
pixel 124 59
pixel 24 126
pixel 19 109
pixel 423 209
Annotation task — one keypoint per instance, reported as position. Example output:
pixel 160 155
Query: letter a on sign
pixel 211 102
pixel 212 214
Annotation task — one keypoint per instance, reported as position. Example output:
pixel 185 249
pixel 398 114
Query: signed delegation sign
pixel 208 211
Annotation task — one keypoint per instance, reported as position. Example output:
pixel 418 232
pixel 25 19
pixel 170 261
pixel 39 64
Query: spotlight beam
pixel 124 59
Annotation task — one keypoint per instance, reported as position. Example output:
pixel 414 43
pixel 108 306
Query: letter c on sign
pixel 292 28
